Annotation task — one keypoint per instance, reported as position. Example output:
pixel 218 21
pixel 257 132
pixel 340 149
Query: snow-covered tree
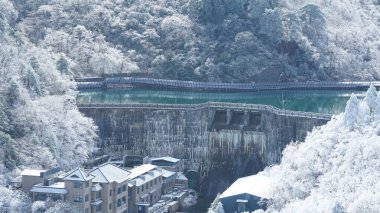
pixel 370 99
pixel 334 170
pixel 351 112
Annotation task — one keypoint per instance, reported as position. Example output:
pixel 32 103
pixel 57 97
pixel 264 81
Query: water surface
pixel 323 101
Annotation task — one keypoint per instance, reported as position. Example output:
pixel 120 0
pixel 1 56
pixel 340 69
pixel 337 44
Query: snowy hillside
pixel 214 40
pixel 40 126
pixel 336 169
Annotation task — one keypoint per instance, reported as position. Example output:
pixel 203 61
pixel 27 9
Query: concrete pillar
pixel 246 118
pixel 230 113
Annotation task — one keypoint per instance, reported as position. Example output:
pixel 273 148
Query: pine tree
pixel 34 63
pixel 63 65
pixel 32 82
pixel 13 93
pixel 4 121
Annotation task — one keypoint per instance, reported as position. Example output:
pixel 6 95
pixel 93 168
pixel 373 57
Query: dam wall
pixel 221 141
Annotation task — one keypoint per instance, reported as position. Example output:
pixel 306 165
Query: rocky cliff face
pixel 221 144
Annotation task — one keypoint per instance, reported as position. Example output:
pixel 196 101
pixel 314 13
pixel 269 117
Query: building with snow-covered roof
pixel 181 181
pixel 78 184
pixel 102 189
pixel 29 178
pixel 109 192
pixel 245 193
pixel 168 163
pixel 168 181
pixel 144 187
pixel 53 192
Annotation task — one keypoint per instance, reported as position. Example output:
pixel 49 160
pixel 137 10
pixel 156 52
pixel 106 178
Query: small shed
pixel 245 193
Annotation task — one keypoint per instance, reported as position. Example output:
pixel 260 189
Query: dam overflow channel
pixel 217 131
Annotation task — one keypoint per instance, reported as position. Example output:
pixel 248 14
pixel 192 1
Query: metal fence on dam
pixel 111 82
pixel 214 105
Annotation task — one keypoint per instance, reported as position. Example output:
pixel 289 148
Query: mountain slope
pixel 336 169
pixel 214 40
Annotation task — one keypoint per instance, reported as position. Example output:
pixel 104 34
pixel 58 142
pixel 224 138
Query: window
pixel 119 190
pixel 77 184
pixel 118 202
pixel 138 190
pixel 110 206
pixel 97 195
pixel 124 188
pixel 78 199
pixel 155 181
pixel 142 188
pixel 40 196
pixel 87 184
pixel 99 208
pixel 124 199
pixel 86 211
pixel 86 198
pixel 110 192
pixel 147 186
pixel 151 183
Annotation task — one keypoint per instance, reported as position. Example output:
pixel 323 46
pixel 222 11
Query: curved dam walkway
pixel 215 138
pixel 210 105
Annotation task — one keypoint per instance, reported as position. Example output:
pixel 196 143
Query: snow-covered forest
pixel 40 126
pixel 214 40
pixel 336 169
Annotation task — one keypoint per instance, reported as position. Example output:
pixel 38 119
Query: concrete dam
pixel 220 141
pixel 238 134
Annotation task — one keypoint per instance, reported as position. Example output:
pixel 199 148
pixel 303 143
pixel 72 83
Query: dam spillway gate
pixel 215 139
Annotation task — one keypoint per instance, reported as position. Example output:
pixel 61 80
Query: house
pixel 168 180
pixel 29 178
pixel 53 192
pixel 78 185
pixel 168 163
pixel 144 187
pixel 102 189
pixel 181 181
pixel 110 188
pixel 245 193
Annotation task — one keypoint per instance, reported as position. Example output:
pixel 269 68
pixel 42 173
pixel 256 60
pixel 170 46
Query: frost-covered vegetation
pixel 45 43
pixel 336 169
pixel 214 40
pixel 40 126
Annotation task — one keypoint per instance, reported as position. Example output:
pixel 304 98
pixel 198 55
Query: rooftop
pixel 167 158
pixel 144 173
pixel 108 173
pixel 257 185
pixel 77 174
pixel 56 188
pixel 139 170
pixel 181 176
pixel 32 172
pixel 167 173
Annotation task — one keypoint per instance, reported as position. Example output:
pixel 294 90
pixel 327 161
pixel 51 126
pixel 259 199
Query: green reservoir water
pixel 323 101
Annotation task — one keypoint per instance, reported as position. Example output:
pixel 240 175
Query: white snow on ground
pixel 191 199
